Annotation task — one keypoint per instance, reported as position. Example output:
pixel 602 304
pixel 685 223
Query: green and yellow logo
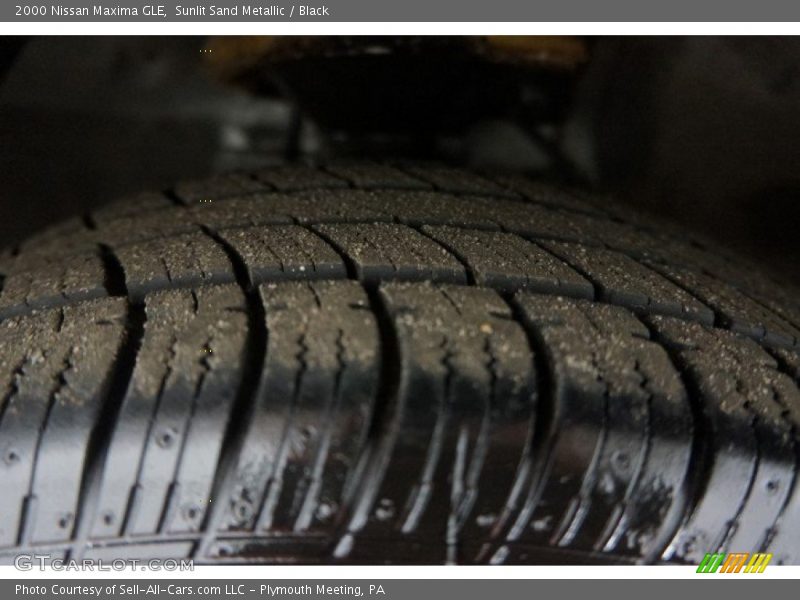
pixel 734 563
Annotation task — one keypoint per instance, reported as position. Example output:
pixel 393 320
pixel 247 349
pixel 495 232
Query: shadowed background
pixel 702 130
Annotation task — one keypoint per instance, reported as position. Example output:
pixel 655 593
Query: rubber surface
pixel 374 363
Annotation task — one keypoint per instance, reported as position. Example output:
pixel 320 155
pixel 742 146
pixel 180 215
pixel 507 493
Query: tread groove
pixel 360 496
pixel 701 456
pixel 134 500
pixel 254 357
pixel 349 263
pixel 452 251
pixel 114 273
pixel 100 440
pixel 275 481
pixel 310 486
pixel 31 499
pixel 613 530
pixel 542 429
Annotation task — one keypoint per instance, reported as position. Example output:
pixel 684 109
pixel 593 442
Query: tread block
pixel 739 313
pixel 305 207
pixel 55 252
pixel 181 261
pixel 384 251
pixel 128 206
pixel 781 301
pixel 375 176
pixel 243 211
pixel 292 178
pixel 164 223
pixel 458 181
pixel 548 195
pixel 313 409
pixel 624 281
pixel 748 433
pixel 434 208
pixel 286 252
pixel 507 262
pixel 338 206
pixel 80 278
pixel 459 427
pixel 53 243
pixel 231 184
pixel 166 442
pixel 74 226
pixel 614 468
pixel 658 247
pixel 542 222
pixel 58 364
